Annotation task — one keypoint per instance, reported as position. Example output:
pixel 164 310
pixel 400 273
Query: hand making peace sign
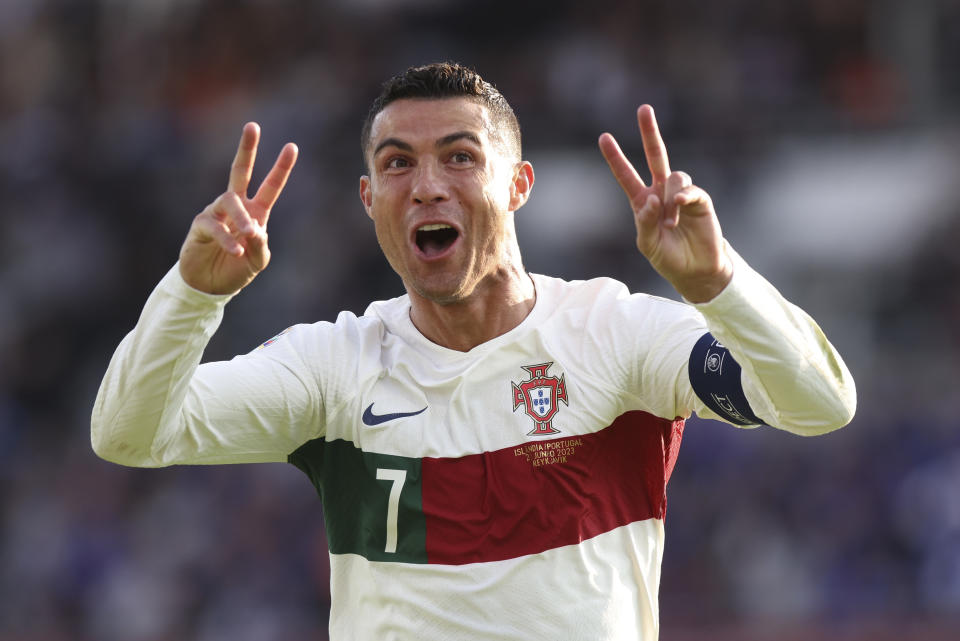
pixel 226 246
pixel 677 228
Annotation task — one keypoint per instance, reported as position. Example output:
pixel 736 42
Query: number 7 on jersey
pixel 398 478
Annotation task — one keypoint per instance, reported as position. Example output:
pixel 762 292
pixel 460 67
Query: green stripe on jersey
pixel 372 502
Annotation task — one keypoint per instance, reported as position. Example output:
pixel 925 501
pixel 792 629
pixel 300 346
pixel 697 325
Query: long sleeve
pixel 791 375
pixel 157 406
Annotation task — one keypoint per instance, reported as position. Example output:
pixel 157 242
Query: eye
pixel 397 162
pixel 461 157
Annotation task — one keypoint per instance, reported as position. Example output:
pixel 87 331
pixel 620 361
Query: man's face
pixel 441 193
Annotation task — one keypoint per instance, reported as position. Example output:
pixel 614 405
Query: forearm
pixel 792 376
pixel 142 393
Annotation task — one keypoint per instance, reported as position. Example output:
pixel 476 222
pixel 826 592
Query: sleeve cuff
pixel 731 298
pixel 174 285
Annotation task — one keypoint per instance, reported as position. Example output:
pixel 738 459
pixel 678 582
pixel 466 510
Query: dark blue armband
pixel 715 378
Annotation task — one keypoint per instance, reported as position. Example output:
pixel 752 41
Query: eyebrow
pixel 442 142
pixel 393 142
pixel 459 135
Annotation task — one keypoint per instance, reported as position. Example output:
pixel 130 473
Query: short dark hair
pixel 448 80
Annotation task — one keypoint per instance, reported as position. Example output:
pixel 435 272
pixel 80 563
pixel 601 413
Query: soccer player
pixel 492 448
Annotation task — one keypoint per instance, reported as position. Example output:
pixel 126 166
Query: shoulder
pixel 602 295
pixel 379 317
pixel 345 334
pixel 574 291
pixel 391 312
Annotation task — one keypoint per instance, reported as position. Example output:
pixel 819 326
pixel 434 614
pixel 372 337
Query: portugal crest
pixel 540 396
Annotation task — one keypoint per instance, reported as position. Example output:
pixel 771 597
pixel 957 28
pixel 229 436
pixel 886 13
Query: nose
pixel 428 185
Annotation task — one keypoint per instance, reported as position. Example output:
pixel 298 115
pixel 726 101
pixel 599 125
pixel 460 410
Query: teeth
pixel 434 227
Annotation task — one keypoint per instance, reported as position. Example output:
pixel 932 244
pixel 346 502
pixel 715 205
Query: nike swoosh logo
pixel 369 418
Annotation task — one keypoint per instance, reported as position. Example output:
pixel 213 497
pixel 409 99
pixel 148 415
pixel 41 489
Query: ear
pixel 366 194
pixel 521 186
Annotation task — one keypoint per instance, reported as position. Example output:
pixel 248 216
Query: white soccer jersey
pixel 515 491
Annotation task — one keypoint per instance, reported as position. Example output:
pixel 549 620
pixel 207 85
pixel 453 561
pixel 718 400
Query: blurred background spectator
pixel 827 132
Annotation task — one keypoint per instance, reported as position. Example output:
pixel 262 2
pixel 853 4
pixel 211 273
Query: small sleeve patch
pixel 715 378
pixel 273 340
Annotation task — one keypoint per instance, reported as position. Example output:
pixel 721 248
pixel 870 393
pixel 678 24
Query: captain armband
pixel 715 377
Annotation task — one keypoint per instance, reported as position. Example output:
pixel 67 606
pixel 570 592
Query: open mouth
pixel 433 240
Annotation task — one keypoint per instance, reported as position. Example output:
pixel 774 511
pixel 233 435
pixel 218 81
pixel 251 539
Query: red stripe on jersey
pixel 546 494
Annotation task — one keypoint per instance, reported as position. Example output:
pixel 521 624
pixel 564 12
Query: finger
pixel 275 181
pixel 694 201
pixel 647 220
pixel 229 208
pixel 242 167
pixel 623 170
pixel 258 253
pixel 207 228
pixel 653 146
pixel 676 182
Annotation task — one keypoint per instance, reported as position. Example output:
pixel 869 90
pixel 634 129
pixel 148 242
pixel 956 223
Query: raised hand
pixel 677 228
pixel 226 246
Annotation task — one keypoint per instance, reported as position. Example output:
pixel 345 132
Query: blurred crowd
pixel 118 120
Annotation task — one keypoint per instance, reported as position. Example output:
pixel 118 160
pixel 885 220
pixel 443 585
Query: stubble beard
pixel 451 290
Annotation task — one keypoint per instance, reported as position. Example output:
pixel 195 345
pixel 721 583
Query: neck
pixel 496 305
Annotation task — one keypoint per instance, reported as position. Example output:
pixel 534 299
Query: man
pixel 491 449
